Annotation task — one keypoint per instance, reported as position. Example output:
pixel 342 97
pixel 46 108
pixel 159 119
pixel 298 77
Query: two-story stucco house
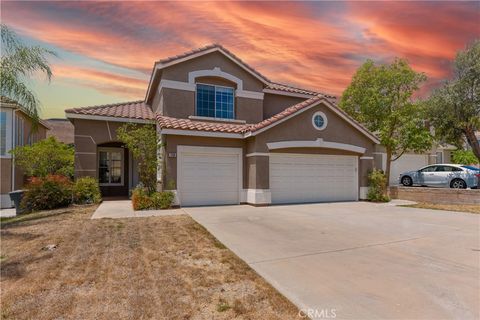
pixel 15 130
pixel 229 135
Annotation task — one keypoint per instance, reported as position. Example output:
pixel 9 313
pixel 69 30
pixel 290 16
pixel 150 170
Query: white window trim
pixel 111 149
pixel 215 101
pixel 9 125
pixel 215 72
pixel 325 120
pixel 319 143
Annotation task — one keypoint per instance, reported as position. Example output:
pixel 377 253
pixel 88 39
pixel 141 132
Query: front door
pixel 112 171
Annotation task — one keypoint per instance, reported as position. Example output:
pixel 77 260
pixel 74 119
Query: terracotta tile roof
pixel 197 125
pixel 188 124
pixel 287 88
pixel 131 110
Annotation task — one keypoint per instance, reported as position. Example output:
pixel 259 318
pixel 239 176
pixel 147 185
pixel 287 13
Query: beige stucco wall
pixel 89 134
pixel 274 103
pixel 6 175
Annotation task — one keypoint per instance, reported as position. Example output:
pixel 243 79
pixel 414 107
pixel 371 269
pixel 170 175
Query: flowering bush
pixel 50 192
pixel 141 200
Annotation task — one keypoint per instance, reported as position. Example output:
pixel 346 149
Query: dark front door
pixel 113 170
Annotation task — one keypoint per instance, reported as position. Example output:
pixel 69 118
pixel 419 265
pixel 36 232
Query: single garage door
pixel 297 178
pixel 208 176
pixel 406 162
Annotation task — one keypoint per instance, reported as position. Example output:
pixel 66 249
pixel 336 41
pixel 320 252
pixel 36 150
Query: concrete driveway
pixel 358 260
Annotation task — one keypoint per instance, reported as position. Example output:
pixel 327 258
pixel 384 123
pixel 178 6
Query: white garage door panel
pixel 313 178
pixel 208 178
pixel 406 162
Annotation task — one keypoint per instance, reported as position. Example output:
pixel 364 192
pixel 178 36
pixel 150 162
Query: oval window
pixel 319 120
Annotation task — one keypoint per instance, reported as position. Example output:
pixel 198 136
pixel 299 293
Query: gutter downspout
pixel 14 142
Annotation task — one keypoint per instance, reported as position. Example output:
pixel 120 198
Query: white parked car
pixel 442 175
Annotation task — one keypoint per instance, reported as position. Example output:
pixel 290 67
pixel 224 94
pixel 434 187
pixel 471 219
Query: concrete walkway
pixel 120 209
pixel 8 213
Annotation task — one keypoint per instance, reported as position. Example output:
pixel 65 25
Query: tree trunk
pixel 473 142
pixel 387 166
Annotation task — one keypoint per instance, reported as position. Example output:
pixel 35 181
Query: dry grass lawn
pixel 141 268
pixel 471 208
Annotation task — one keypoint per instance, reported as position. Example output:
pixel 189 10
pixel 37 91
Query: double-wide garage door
pixel 297 178
pixel 213 176
pixel 208 176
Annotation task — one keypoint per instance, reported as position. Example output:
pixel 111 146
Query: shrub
pixel 45 157
pixel 142 200
pixel 464 157
pixel 162 200
pixel 377 190
pixel 86 191
pixel 50 192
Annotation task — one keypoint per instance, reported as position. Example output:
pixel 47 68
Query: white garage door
pixel 406 162
pixel 296 178
pixel 208 176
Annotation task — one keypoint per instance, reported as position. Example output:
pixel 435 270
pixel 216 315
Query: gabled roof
pixel 254 129
pixel 135 110
pixel 7 102
pixel 163 63
pixel 208 49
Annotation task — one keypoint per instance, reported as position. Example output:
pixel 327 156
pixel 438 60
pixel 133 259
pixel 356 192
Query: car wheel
pixel 407 181
pixel 458 184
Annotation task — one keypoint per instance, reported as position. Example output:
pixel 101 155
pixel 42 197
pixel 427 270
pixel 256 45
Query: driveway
pixel 358 260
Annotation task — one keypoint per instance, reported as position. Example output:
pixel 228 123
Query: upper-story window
pixel 3 133
pixel 215 101
pixel 20 128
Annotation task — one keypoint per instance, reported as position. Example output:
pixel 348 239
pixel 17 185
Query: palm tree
pixel 18 63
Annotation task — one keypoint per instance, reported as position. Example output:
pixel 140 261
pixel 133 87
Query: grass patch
pixel 470 208
pixel 141 268
pixel 223 306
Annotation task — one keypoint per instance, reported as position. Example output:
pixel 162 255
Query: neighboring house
pixel 229 135
pixel 412 161
pixel 61 129
pixel 15 130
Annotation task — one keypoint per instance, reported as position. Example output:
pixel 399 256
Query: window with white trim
pixel 110 166
pixel 215 101
pixel 319 120
pixel 3 133
pixel 19 131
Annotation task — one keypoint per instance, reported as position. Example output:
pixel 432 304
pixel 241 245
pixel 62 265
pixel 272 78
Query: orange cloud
pixel 313 45
pixel 105 82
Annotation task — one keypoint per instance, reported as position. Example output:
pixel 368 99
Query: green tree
pixel 380 97
pixel 464 157
pixel 141 140
pixel 18 63
pixel 45 157
pixel 454 109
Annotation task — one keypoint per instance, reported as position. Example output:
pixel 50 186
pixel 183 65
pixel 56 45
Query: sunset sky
pixel 106 50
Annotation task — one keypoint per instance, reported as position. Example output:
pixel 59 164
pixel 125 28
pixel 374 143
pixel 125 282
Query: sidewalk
pixel 120 209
